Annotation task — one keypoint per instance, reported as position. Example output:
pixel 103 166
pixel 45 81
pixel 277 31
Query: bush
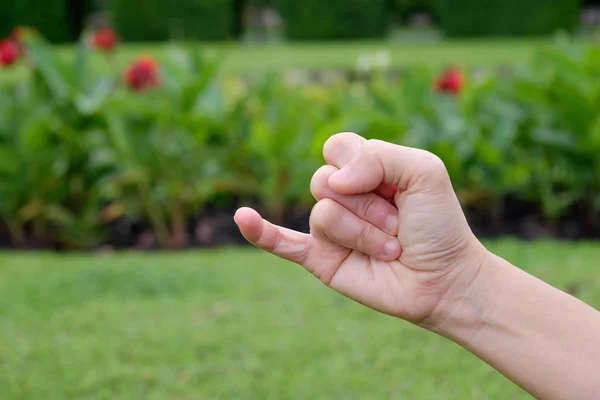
pixel 79 153
pixel 259 3
pixel 7 20
pixel 203 19
pixel 149 22
pixel 334 19
pixel 156 20
pixel 51 17
pixel 507 17
pixel 406 7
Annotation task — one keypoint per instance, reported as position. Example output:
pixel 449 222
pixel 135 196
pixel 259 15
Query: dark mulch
pixel 215 227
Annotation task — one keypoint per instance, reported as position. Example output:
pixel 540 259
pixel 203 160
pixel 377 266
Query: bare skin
pixel 389 232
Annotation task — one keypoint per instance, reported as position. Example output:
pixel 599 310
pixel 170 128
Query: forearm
pixel 544 340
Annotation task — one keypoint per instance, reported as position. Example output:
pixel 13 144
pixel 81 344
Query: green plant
pixel 48 16
pixel 335 19
pixel 82 147
pixel 50 124
pixel 155 20
pixel 167 147
pixel 275 141
pixel 202 19
pixel 406 7
pixel 74 141
pixel 507 17
pixel 149 22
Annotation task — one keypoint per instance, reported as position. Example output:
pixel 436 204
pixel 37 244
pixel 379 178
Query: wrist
pixel 462 312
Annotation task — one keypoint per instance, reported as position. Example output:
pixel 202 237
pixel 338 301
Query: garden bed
pixel 162 153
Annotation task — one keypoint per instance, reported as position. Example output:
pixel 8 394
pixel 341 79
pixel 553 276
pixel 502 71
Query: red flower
pixel 142 74
pixel 105 39
pixel 450 81
pixel 10 52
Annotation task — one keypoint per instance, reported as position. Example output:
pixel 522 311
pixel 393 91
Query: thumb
pixel 380 162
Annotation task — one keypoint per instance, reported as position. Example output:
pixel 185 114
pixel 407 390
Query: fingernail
pixel 392 248
pixel 391 224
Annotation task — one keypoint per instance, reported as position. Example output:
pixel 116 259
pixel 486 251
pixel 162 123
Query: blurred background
pixel 131 131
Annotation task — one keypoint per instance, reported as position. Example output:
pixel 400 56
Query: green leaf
pixel 46 62
pixel 9 161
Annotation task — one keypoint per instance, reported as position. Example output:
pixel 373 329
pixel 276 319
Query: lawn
pixel 233 324
pixel 239 58
pixel 335 55
pixel 243 58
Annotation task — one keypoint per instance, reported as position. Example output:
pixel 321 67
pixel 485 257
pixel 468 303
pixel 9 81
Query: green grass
pixel 345 54
pixel 335 55
pixel 232 324
pixel 237 58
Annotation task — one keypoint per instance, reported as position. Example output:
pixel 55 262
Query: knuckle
pixel 330 144
pixel 371 146
pixel 373 152
pixel 432 164
pixel 323 213
pixel 366 204
pixel 319 183
pixel 335 142
pixel 365 236
pixel 370 151
pixel 275 242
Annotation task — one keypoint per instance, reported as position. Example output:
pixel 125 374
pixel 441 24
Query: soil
pixel 215 227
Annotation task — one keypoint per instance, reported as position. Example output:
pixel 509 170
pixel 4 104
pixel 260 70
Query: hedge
pixel 84 160
pixel 6 19
pixel 203 19
pixel 155 20
pixel 49 16
pixel 507 17
pixel 259 3
pixel 334 19
pixel 406 7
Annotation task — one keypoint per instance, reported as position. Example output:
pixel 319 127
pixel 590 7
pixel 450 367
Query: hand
pixel 404 251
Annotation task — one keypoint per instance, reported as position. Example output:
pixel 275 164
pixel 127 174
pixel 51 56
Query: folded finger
pixel 340 149
pixel 369 207
pixel 330 220
pixel 380 162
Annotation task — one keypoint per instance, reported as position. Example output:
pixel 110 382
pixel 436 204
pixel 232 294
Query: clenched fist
pixel 387 230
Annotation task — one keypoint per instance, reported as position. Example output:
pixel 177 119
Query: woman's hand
pixel 387 230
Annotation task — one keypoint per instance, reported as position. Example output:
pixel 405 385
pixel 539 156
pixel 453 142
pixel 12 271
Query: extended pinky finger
pixel 285 243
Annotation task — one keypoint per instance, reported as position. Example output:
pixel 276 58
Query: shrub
pixel 7 20
pixel 156 20
pixel 149 22
pixel 259 3
pixel 51 17
pixel 406 7
pixel 507 17
pixel 334 19
pixel 203 19
pixel 79 150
